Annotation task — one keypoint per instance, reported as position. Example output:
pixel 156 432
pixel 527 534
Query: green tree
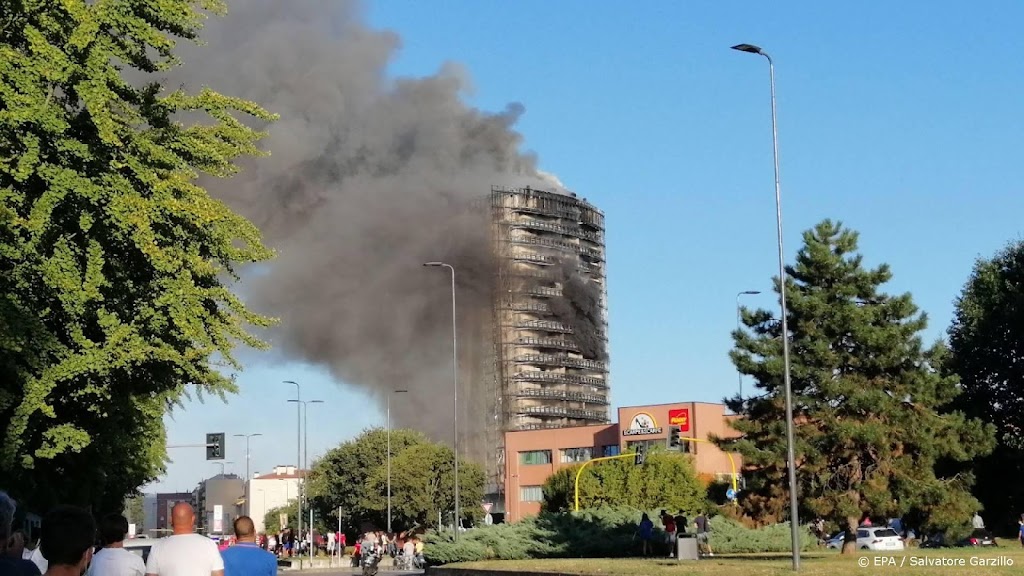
pixel 987 344
pixel 867 397
pixel 135 511
pixel 665 480
pixel 113 260
pixel 353 477
pixel 422 485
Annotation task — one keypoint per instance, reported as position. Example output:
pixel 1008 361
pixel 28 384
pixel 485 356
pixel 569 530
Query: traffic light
pixel 673 437
pixel 215 446
pixel 641 454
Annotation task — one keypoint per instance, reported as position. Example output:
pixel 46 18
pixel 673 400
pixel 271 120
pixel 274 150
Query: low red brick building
pixel 531 456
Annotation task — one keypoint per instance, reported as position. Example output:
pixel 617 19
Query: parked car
pixel 139 547
pixel 979 537
pixel 878 538
pixel 835 542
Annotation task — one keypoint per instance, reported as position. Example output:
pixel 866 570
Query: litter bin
pixel 686 547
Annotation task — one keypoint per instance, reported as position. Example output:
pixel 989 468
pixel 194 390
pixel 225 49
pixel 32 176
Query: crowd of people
pixel 674 526
pixel 72 544
pixel 406 549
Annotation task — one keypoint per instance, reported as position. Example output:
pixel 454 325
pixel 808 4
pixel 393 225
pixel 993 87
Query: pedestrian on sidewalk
pixel 246 558
pixel 184 553
pixel 113 559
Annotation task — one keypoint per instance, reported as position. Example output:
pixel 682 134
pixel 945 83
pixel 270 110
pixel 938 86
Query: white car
pixel 139 546
pixel 880 538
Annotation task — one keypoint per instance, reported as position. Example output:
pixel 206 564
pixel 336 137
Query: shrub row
pixel 593 533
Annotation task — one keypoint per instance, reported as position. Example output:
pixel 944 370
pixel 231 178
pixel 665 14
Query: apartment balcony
pixel 559 378
pixel 561 360
pixel 534 258
pixel 557 210
pixel 574 231
pixel 542 291
pixel 558 411
pixel 561 395
pixel 559 245
pixel 536 307
pixel 555 343
pixel 544 326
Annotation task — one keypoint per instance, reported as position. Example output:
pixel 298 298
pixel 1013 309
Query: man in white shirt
pixel 184 553
pixel 113 559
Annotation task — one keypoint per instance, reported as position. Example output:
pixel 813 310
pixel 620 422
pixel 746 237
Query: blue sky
pixel 900 119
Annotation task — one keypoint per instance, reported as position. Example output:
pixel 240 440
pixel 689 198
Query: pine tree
pixel 866 399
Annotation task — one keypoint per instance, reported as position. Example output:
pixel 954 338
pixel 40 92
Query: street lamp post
pixel 738 321
pixel 794 520
pixel 247 494
pixel 222 464
pixel 298 445
pixel 455 394
pixel 393 392
pixel 305 459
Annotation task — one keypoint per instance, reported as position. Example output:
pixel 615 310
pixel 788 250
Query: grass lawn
pixel 1011 555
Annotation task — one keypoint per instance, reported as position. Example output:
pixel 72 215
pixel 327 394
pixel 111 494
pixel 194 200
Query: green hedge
pixel 593 533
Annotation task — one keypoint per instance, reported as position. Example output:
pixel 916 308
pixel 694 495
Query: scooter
pixel 370 560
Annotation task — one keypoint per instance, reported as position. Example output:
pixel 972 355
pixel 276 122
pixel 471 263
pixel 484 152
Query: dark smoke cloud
pixel 369 177
pixel 580 308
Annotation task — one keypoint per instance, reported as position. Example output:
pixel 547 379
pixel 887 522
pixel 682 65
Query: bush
pixel 731 537
pixel 591 533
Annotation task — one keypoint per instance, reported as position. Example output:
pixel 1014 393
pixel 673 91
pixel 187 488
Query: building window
pixel 648 443
pixel 531 494
pixel 535 457
pixel 574 455
pixel 611 450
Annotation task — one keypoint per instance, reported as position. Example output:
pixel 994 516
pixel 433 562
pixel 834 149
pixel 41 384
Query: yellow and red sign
pixel 681 418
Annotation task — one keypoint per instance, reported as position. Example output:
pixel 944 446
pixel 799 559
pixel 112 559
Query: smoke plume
pixel 369 178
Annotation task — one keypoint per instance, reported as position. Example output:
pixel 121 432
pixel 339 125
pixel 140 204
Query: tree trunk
pixel 850 540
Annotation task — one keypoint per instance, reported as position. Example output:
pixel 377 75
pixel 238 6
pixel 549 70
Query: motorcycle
pixel 370 560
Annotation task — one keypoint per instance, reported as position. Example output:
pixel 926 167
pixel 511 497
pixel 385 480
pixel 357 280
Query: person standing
pixel 68 537
pixel 113 559
pixel 669 525
pixel 246 558
pixel 703 525
pixel 184 553
pixel 11 565
pixel 646 529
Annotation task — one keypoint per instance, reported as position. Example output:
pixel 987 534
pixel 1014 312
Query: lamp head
pixel 750 48
pixel 751 292
pixel 433 264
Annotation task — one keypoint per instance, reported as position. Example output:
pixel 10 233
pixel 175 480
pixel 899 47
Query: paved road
pixel 349 571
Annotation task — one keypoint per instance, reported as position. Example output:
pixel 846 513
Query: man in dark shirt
pixel 246 558
pixel 11 565
pixel 682 524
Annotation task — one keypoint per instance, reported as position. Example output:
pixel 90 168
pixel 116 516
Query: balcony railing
pixel 561 395
pixel 560 212
pixel 559 245
pixel 556 343
pixel 537 307
pixel 541 376
pixel 545 326
pixel 559 411
pixel 534 258
pixel 554 228
pixel 543 291
pixel 560 360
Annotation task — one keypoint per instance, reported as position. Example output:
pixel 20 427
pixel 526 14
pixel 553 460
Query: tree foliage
pixel 987 344
pixel 112 257
pixel 665 480
pixel 353 477
pixel 867 397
